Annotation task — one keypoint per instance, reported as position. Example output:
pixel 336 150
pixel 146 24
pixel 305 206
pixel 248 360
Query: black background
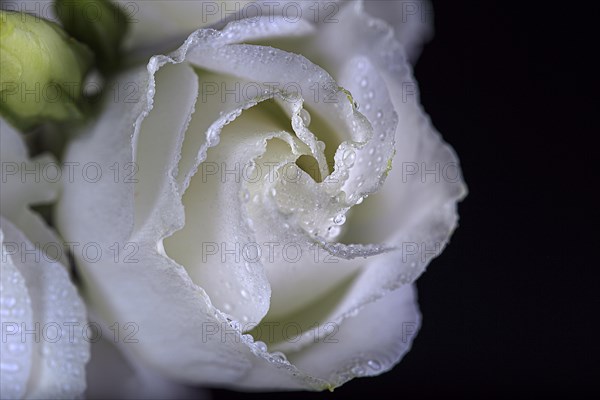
pixel 511 306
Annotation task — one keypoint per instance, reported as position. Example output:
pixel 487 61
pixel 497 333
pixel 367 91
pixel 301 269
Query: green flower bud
pixel 41 70
pixel 98 23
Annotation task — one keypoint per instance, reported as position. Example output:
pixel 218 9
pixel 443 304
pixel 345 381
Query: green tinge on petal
pixel 42 70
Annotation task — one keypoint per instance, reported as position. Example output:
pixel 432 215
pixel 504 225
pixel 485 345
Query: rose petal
pixel 104 145
pixel 367 344
pixel 412 22
pixel 211 245
pixel 111 376
pixel 58 358
pixel 156 142
pixel 142 285
pixel 162 24
pixel 15 310
pixel 25 183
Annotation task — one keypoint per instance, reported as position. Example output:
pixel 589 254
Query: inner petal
pixel 213 245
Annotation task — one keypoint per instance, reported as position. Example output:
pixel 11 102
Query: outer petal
pixel 59 351
pixel 15 309
pixel 43 302
pixel 111 376
pixel 367 344
pixel 23 184
pixel 161 25
pixel 412 21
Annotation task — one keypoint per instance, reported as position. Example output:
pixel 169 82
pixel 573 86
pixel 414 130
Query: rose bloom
pixel 264 198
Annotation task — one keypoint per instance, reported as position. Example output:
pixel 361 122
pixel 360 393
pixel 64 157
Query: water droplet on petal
pixel 246 195
pixel 305 115
pixel 339 219
pixel 8 302
pixel 358 370
pixel 261 346
pixel 279 356
pixel 374 365
pixel 349 158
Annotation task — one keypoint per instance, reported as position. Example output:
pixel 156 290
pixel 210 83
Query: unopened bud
pixel 41 70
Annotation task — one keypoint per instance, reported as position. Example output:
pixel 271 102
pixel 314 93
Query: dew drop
pixel 261 346
pixel 10 367
pixel 379 114
pixel 349 158
pixel 8 302
pixel 374 365
pixel 358 370
pixel 305 115
pixel 16 347
pixel 364 82
pixel 244 293
pixel 333 231
pixel 360 200
pixel 226 307
pixel 246 195
pixel 279 356
pixel 339 219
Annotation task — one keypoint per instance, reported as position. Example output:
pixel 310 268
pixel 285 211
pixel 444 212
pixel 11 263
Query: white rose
pixel 42 353
pixel 216 228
